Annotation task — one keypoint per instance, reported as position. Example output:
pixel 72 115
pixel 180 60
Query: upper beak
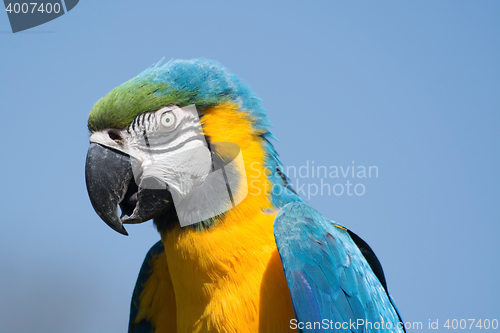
pixel 110 184
pixel 107 174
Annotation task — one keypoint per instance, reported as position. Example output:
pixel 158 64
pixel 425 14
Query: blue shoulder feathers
pixel 331 281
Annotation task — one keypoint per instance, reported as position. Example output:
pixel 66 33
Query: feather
pixel 328 276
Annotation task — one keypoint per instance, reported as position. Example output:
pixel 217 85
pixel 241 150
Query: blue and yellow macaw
pixel 268 263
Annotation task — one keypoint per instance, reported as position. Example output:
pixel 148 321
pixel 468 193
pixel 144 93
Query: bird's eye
pixel 168 120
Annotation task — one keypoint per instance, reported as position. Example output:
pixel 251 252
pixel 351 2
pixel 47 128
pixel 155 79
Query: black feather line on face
pixel 134 124
pixel 146 138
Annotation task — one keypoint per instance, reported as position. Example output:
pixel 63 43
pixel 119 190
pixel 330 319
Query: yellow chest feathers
pixel 228 279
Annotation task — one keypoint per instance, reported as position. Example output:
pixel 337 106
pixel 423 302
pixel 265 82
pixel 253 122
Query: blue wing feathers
pixel 144 274
pixel 304 295
pixel 328 275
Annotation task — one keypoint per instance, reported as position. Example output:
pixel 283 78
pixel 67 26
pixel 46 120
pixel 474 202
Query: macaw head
pixel 184 142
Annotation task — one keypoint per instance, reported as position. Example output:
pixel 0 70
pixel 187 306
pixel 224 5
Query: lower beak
pixel 110 184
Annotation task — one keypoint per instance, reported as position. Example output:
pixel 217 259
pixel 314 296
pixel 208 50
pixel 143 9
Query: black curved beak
pixel 107 174
pixel 110 184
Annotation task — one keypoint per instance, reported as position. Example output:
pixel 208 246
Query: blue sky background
pixel 409 87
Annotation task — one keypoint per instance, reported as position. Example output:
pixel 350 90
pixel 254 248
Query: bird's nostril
pixel 115 136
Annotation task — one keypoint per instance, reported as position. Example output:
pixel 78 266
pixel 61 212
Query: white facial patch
pixel 169 145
